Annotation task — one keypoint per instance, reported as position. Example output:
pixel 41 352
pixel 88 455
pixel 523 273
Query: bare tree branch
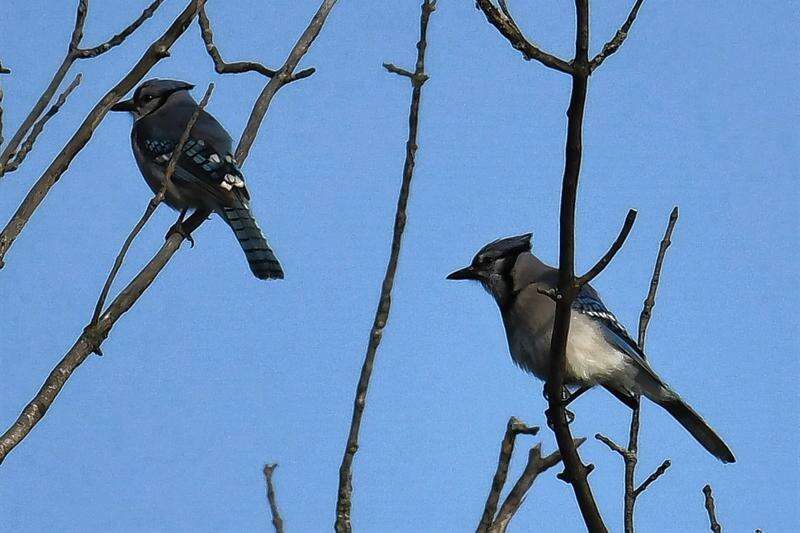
pixel 219 64
pixel 277 521
pixel 345 493
pixel 151 205
pixel 27 146
pixel 716 527
pixel 505 24
pixel 513 428
pixel 119 38
pixel 73 53
pixel 609 255
pixel 613 45
pixel 157 51
pixel 92 337
pixel 283 76
pixel 630 454
pixel 575 472
pixel 535 466
pixel 652 477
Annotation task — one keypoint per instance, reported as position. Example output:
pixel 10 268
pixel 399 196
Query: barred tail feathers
pixel 260 256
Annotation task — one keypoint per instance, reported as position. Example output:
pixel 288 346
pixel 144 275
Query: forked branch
pixel 614 44
pixel 501 19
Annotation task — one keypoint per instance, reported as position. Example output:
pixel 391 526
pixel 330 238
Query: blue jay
pixel 207 176
pixel 599 350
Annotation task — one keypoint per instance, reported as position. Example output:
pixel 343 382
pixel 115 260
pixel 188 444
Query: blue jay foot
pixel 179 228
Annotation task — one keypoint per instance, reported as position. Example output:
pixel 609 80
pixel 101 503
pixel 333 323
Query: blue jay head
pixel 493 263
pixel 151 95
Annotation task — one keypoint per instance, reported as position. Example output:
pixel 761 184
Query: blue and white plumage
pixel 207 176
pixel 599 350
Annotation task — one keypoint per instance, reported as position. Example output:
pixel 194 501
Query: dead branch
pixel 92 337
pixel 344 499
pixel 505 24
pixel 277 521
pixel 27 146
pixel 535 466
pixel 74 52
pixel 630 454
pixel 513 428
pixel 157 51
pixel 219 64
pixel 614 44
pixel 716 527
pixel 609 255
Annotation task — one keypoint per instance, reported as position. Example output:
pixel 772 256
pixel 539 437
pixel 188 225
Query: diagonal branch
pixel 73 53
pixel 220 65
pixel 716 527
pixel 513 428
pixel 27 146
pixel 652 477
pixel 345 493
pixel 92 337
pixel 505 24
pixel 151 205
pixel 119 38
pixel 157 51
pixel 609 255
pixel 277 521
pixel 535 466
pixel 614 44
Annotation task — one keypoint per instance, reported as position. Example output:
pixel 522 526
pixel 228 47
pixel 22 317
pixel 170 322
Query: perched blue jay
pixel 207 176
pixel 599 350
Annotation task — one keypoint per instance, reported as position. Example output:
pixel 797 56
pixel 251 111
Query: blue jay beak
pixel 464 273
pixel 124 105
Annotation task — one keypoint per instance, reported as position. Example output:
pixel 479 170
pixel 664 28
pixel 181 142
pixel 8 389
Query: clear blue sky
pixel 214 373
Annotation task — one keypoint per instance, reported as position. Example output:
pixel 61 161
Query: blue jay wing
pixel 588 303
pixel 204 167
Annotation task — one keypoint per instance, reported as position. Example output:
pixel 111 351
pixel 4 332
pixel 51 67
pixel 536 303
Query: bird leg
pixel 179 229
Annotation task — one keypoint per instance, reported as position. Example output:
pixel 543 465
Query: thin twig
pixel 219 64
pixel 92 337
pixel 535 466
pixel 119 38
pixel 716 527
pixel 277 521
pixel 505 24
pixel 614 44
pixel 151 205
pixel 652 477
pixel 27 146
pixel 344 500
pixel 513 428
pixel 157 51
pixel 609 255
pixel 73 53
pixel 630 454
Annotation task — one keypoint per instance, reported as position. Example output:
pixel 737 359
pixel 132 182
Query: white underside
pixel 590 358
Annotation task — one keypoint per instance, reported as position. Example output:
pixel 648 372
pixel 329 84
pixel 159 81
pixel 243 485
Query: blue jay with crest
pixel 599 349
pixel 206 177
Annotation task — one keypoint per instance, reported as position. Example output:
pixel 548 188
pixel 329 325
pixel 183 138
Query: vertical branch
pixel 716 527
pixel 575 472
pixel 277 521
pixel 418 78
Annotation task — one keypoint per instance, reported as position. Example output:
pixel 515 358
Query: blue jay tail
pixel 658 392
pixel 260 256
